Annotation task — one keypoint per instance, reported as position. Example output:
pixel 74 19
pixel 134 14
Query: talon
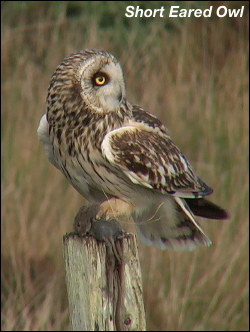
pixel 122 235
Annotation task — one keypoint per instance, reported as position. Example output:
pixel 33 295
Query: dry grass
pixel 194 77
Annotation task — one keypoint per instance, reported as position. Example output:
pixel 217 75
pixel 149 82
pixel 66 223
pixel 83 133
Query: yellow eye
pixel 100 79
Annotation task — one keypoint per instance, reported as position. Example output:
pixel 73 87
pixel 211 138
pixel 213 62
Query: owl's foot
pixel 113 208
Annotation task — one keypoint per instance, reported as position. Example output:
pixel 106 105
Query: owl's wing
pixel 43 134
pixel 148 157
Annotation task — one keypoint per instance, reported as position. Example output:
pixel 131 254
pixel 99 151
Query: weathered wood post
pixel 104 284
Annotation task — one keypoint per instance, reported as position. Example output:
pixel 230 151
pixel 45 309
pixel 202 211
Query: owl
pixel 109 148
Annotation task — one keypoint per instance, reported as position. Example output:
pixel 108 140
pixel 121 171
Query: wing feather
pixel 148 157
pixel 43 134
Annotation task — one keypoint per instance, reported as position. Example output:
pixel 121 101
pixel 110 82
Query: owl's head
pixel 92 77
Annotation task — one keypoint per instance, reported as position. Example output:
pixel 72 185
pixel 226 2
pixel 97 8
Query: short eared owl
pixel 110 148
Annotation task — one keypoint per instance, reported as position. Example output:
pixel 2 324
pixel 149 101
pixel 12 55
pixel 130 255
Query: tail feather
pixel 204 208
pixel 170 225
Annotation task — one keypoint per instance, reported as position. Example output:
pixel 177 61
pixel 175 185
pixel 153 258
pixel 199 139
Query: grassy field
pixel 191 73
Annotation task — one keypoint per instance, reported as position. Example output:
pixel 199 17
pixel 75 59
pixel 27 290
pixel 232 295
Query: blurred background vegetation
pixel 191 73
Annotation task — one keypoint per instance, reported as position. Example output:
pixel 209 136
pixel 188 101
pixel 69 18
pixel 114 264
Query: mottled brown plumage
pixel 109 148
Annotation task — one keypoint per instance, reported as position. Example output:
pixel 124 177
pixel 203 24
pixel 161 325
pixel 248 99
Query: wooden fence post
pixel 104 288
